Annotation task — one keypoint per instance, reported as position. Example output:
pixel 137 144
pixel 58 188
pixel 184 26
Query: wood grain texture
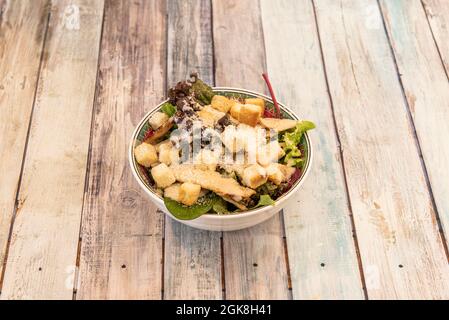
pixel 121 247
pixel 437 12
pixel 426 88
pixel 192 265
pixel 401 249
pixel 22 29
pixel 190 43
pixel 43 248
pixel 254 261
pixel 322 256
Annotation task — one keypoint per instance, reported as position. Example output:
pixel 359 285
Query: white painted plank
pixel 401 249
pixel 42 255
pixel 121 246
pixel 322 256
pixel 22 30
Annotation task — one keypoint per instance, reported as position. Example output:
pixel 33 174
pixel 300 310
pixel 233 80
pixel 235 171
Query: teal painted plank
pixel 322 255
pixel 426 88
pixel 401 249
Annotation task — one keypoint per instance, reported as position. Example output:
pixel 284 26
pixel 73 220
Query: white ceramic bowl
pixel 228 222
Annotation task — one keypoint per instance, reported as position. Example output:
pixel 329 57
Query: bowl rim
pixel 213 216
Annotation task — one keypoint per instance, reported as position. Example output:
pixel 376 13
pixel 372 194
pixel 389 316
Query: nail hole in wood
pixel 123 266
pixel 322 265
pixel 400 266
pixel 255 264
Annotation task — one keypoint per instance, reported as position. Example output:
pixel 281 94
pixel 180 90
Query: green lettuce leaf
pixel 291 140
pixel 220 206
pixel 168 109
pixel 203 93
pixel 264 200
pixel 183 212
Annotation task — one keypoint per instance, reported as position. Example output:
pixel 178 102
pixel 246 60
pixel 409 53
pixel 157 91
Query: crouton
pixel 157 120
pixel 189 193
pixel 168 154
pixel 258 102
pixel 158 145
pixel 163 176
pixel 250 114
pixel 145 154
pixel 221 103
pixel 246 113
pixel 235 110
pixel 254 176
pixel 173 192
pixel 210 116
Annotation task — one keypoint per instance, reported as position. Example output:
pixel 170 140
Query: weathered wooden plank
pixel 401 249
pixel 121 247
pixel 44 241
pixel 192 265
pixel 190 45
pixel 254 261
pixel 437 12
pixel 22 29
pixel 322 257
pixel 426 88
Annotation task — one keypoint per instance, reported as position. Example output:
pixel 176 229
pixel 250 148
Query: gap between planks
pixel 89 155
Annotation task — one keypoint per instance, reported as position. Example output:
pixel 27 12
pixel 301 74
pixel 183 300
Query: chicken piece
pixel 211 180
pixel 242 137
pixel 278 125
pixel 237 168
pixel 234 202
pixel 286 171
pixel 206 160
pixel 275 173
pixel 159 133
pixel 229 139
pixel 157 120
pixel 145 154
pixel 163 175
pixel 254 176
pixel 269 153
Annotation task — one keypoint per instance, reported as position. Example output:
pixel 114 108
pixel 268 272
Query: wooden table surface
pixel 371 221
